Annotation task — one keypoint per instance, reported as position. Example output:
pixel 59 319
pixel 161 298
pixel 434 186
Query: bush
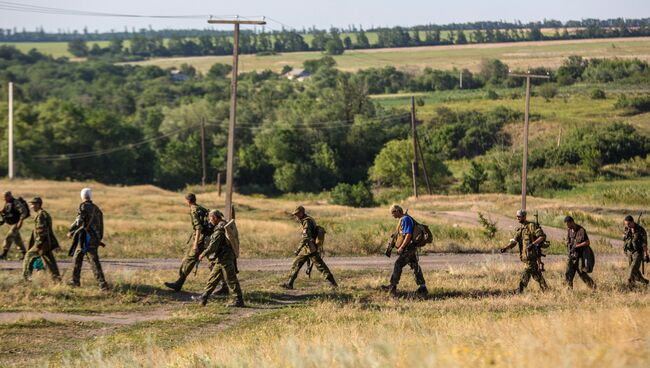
pixel 634 105
pixel 357 195
pixel 492 95
pixel 598 94
pixel 548 91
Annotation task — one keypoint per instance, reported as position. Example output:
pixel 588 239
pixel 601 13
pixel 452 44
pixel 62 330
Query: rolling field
pixel 517 55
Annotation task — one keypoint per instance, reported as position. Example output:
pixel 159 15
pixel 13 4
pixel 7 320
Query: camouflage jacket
pixel 218 246
pixel 13 212
pixel 635 239
pixel 199 218
pixel 91 219
pixel 525 234
pixel 308 234
pixel 43 236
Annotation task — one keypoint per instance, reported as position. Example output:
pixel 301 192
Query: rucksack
pixel 13 216
pixel 25 206
pixel 320 237
pixel 421 233
pixel 588 259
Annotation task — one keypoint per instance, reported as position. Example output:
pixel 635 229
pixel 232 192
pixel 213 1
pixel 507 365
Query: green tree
pixel 78 47
pixel 473 179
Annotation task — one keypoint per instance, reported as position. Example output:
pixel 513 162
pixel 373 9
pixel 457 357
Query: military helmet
pixel 299 209
pixel 396 208
pixel 629 218
pixel 521 213
pixel 36 200
pixel 216 213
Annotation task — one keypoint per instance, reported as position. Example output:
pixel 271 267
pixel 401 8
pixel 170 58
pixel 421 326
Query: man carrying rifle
pixel 307 251
pixel 636 250
pixel 13 214
pixel 42 243
pixel 87 232
pixel 529 237
pixel 577 245
pixel 407 252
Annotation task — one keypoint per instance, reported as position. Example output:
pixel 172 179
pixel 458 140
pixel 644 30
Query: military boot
pixel 330 278
pixel 4 254
pixel 422 291
pixel 287 285
pixel 104 286
pixel 176 286
pixel 521 289
pixel 23 256
pixel 74 284
pixel 238 302
pixel 203 298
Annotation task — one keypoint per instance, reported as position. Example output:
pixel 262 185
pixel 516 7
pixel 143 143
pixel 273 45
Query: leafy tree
pixel 218 70
pixel 357 195
pixel 78 47
pixel 473 179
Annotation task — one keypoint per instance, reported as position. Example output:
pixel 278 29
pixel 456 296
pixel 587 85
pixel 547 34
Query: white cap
pixel 86 194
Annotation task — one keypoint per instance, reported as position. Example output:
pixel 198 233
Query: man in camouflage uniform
pixel 220 251
pixel 13 213
pixel 88 231
pixel 308 250
pixel 636 250
pixel 577 241
pixel 407 253
pixel 201 231
pixel 41 243
pixel 528 236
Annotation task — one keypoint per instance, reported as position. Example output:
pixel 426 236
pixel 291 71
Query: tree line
pixel 125 124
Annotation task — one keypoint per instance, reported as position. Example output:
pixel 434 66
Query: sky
pixel 306 13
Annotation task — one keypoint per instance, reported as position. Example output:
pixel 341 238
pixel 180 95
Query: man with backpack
pixel 404 241
pixel 87 232
pixel 308 250
pixel 636 250
pixel 201 231
pixel 42 243
pixel 14 214
pixel 580 254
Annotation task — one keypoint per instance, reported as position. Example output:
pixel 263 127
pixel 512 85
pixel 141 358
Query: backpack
pixel 320 237
pixel 25 206
pixel 13 216
pixel 588 259
pixel 421 233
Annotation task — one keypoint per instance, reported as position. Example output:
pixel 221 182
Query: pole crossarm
pixel 537 76
pixel 236 21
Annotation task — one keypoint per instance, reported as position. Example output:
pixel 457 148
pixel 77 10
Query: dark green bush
pixel 357 195
pixel 598 94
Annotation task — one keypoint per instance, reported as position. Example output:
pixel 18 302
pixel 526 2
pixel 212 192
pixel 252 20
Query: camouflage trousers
pixel 635 259
pixel 532 270
pixel 48 260
pixel 572 267
pixel 224 269
pixel 189 262
pixel 93 258
pixel 13 236
pixel 316 260
pixel 408 257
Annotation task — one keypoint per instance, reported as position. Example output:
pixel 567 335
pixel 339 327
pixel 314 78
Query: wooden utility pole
pixel 414 163
pixel 219 184
pixel 205 170
pixel 424 167
pixel 233 107
pixel 10 131
pixel 461 79
pixel 524 165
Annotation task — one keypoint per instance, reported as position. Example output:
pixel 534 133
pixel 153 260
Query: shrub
pixel 548 91
pixel 357 195
pixel 634 105
pixel 492 95
pixel 598 94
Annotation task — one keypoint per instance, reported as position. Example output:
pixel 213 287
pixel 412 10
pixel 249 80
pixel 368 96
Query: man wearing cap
pixel 636 250
pixel 307 250
pixel 42 242
pixel 527 236
pixel 88 230
pixel 577 243
pixel 14 213
pixel 220 251
pixel 407 252
pixel 201 230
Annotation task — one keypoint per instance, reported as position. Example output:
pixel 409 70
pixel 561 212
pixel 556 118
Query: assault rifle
pixel 391 245
pixel 537 249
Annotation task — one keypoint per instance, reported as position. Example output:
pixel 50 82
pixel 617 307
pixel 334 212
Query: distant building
pixel 178 76
pixel 297 74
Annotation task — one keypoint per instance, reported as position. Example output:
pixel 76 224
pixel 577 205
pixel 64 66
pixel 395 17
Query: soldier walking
pixel 224 269
pixel 42 243
pixel 407 252
pixel 577 244
pixel 528 236
pixel 636 250
pixel 13 214
pixel 308 251
pixel 201 231
pixel 87 230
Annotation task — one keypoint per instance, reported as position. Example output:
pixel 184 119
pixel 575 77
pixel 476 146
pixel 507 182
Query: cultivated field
pixel 517 55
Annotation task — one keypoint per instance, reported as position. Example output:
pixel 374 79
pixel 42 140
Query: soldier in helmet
pixel 307 250
pixel 577 243
pixel 528 236
pixel 636 250
pixel 220 251
pixel 14 214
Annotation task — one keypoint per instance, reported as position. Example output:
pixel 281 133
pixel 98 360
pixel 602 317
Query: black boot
pixel 203 299
pixel 521 288
pixel 176 286
pixel 287 285
pixel 237 302
pixel 4 254
pixel 422 291
pixel 330 278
